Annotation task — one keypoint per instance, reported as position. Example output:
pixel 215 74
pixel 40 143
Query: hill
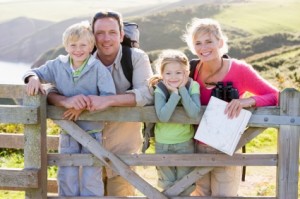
pixel 30 47
pixel 11 30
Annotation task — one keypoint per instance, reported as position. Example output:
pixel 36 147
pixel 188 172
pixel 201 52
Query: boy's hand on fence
pixel 72 114
pixel 34 86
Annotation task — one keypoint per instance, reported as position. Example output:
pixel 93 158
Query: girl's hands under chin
pixel 185 79
pixel 170 88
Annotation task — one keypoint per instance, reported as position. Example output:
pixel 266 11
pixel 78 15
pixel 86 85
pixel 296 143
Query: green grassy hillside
pixel 280 66
pixel 262 17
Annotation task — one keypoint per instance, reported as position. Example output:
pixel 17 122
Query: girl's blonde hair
pixel 203 26
pixel 166 57
pixel 77 31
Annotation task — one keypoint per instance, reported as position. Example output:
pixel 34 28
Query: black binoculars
pixel 225 92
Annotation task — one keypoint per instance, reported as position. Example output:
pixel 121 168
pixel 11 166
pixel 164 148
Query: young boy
pixel 77 73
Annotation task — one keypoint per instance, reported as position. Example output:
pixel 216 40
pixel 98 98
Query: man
pixel 118 137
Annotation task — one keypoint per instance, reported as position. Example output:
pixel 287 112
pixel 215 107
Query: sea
pixel 11 73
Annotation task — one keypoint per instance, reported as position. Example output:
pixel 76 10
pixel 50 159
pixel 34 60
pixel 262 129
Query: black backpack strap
pixel 126 62
pixel 164 89
pixel 193 64
pixel 188 84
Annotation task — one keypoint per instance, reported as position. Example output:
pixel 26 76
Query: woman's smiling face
pixel 207 46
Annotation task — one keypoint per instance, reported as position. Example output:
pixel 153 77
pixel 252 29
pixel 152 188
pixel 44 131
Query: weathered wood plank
pixel 172 160
pixel 248 135
pixel 187 181
pixel 110 159
pixel 19 114
pixel 12 90
pixel 18 179
pixel 170 197
pixel 147 114
pixel 35 147
pixel 288 147
pixel 16 141
pixel 52 185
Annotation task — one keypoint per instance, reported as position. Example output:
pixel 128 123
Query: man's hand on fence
pixel 78 102
pixel 99 103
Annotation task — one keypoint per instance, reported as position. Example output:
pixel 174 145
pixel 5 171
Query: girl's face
pixel 173 74
pixel 79 50
pixel 207 46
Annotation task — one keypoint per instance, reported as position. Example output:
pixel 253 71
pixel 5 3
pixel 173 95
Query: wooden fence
pixel 33 177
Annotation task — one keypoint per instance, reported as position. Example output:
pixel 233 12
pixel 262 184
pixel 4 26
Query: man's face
pixel 108 37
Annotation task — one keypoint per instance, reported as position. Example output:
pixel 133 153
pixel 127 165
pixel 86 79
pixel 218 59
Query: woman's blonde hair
pixel 166 57
pixel 77 31
pixel 203 26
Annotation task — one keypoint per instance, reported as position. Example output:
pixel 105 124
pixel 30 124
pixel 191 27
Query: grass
pixel 262 17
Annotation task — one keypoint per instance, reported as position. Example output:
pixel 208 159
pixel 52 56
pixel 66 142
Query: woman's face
pixel 207 46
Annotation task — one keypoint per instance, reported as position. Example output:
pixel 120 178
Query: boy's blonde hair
pixel 166 57
pixel 203 26
pixel 77 31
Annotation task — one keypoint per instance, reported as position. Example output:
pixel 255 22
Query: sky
pixel 57 10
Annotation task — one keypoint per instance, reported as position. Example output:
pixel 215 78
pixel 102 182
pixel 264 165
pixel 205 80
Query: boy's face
pixel 79 50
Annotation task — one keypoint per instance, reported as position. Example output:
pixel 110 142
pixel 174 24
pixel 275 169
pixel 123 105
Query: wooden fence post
pixel 35 147
pixel 288 147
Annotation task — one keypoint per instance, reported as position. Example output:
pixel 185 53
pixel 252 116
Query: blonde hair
pixel 167 57
pixel 203 26
pixel 77 31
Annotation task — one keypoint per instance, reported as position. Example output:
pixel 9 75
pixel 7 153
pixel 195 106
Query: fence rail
pixel 34 113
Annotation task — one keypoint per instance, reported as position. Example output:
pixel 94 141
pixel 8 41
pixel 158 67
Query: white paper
pixel 217 130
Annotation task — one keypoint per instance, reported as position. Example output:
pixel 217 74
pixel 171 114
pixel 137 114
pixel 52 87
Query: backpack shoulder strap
pixel 193 64
pixel 126 62
pixel 188 84
pixel 164 89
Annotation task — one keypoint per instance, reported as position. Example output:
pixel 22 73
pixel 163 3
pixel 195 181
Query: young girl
pixel 173 67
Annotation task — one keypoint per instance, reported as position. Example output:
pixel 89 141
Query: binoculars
pixel 225 92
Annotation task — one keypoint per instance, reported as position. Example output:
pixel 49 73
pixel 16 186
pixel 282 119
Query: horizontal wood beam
pixel 18 179
pixel 19 114
pixel 12 90
pixel 16 141
pixel 262 116
pixel 168 160
pixel 171 197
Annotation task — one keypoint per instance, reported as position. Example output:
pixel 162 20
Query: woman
pixel 206 40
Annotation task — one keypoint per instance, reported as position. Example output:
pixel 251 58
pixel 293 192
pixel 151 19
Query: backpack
pixel 131 37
